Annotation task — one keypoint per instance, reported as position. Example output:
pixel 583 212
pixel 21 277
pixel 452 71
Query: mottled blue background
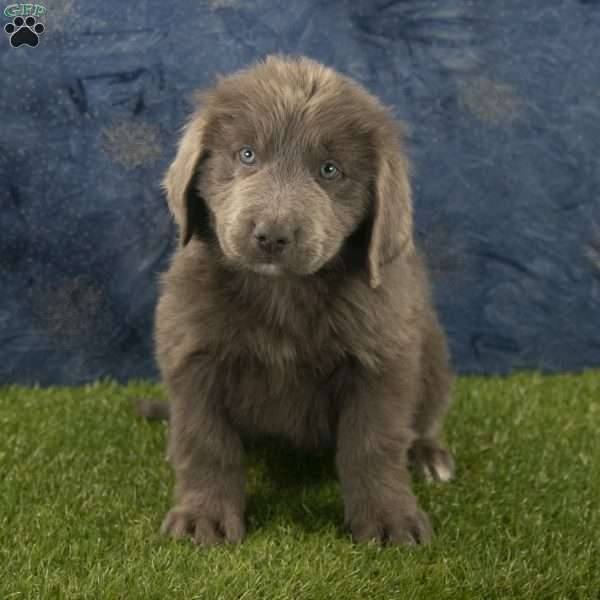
pixel 503 100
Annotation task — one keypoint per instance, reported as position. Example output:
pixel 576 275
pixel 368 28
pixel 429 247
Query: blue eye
pixel 247 155
pixel 329 171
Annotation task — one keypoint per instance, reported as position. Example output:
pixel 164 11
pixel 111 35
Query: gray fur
pixel 332 339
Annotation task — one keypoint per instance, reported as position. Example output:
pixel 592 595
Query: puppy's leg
pixel 206 453
pixel 428 455
pixel 373 438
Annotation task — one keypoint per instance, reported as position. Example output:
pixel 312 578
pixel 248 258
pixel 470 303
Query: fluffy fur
pixel 297 304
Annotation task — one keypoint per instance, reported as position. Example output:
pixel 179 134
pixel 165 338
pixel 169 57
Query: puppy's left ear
pixel 392 224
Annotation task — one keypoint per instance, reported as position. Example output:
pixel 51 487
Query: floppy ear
pixel 392 225
pixel 187 208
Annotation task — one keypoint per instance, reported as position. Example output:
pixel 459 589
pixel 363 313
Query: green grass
pixel 84 486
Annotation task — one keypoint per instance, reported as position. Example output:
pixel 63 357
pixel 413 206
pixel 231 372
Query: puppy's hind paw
pixel 431 460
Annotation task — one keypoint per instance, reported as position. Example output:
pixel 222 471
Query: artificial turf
pixel 84 486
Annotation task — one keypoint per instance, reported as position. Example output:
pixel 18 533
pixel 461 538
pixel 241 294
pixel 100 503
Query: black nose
pixel 272 238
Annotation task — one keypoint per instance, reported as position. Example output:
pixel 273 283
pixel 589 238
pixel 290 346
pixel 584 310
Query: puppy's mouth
pixel 269 269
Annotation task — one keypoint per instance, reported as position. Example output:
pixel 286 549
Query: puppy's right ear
pixel 188 209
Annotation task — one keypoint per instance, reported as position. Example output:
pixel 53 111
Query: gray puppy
pixel 297 304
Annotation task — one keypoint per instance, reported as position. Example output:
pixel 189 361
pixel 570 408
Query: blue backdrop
pixel 503 100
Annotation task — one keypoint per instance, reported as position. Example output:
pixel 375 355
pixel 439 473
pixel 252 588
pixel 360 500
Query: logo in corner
pixel 25 28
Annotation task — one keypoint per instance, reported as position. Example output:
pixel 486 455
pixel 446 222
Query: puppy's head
pixel 283 163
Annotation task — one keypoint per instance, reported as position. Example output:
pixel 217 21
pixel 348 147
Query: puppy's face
pixel 286 164
pixel 287 177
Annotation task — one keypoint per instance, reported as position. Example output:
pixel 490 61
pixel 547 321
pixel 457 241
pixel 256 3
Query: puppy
pixel 297 304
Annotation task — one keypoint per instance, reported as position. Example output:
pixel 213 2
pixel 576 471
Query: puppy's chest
pixel 282 382
pixel 298 404
pixel 278 339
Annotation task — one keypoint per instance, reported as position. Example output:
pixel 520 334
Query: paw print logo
pixel 24 32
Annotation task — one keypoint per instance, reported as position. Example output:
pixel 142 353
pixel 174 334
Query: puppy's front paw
pixel 395 525
pixel 206 527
